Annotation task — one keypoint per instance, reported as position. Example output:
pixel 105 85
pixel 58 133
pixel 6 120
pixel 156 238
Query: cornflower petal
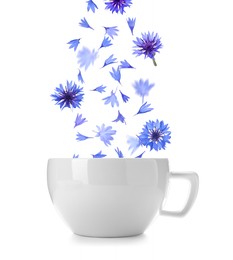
pixel 124 97
pixel 80 78
pixel 79 120
pixel 74 44
pixel 125 65
pixel 116 74
pixel 110 60
pixel 131 24
pixel 91 6
pixel 134 143
pixel 99 155
pixel 140 155
pixel 143 88
pixel 86 57
pixel 76 156
pixel 111 99
pixel 120 117
pixel 99 89
pixel 111 31
pixel 83 23
pixel 106 42
pixel 81 137
pixel 144 109
pixel 119 153
pixel 105 134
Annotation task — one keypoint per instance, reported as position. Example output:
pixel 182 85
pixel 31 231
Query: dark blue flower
pixel 91 6
pixel 155 134
pixel 116 74
pixel 118 5
pixel 111 31
pixel 109 60
pixel 105 134
pixel 86 57
pixel 124 97
pixel 100 89
pixel 125 65
pixel 144 108
pixel 131 24
pixel 80 78
pixel 74 44
pixel 75 156
pixel 134 143
pixel 119 153
pixel 79 120
pixel 85 24
pixel 148 45
pixel 143 88
pixel 106 42
pixel 120 117
pixel 81 137
pixel 140 155
pixel 99 155
pixel 68 96
pixel 111 99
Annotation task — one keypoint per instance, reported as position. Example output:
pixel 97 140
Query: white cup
pixel 113 197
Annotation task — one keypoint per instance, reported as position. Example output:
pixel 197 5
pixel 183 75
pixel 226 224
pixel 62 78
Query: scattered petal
pixel 81 137
pixel 91 6
pixel 86 57
pixel 75 156
pixel 99 155
pixel 74 44
pixel 124 97
pixel 85 24
pixel 106 42
pixel 143 88
pixel 80 78
pixel 119 153
pixel 100 89
pixel 140 155
pixel 109 60
pixel 134 143
pixel 144 109
pixel 105 134
pixel 111 99
pixel 131 24
pixel 125 65
pixel 111 31
pixel 79 120
pixel 120 117
pixel 116 74
pixel 69 96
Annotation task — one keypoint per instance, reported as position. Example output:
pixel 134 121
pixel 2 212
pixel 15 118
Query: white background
pixel 195 83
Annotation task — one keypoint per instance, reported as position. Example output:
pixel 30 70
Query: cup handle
pixel 192 177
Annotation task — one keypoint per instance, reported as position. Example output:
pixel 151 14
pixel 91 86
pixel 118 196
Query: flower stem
pixel 154 62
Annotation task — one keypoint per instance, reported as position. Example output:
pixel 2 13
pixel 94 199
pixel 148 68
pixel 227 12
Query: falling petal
pixel 80 78
pixel 75 156
pixel 109 60
pixel 83 23
pixel 116 74
pixel 124 97
pixel 100 89
pixel 99 155
pixel 79 120
pixel 86 57
pixel 106 42
pixel 74 44
pixel 144 109
pixel 134 143
pixel 125 65
pixel 111 31
pixel 111 99
pixel 91 6
pixel 81 137
pixel 105 134
pixel 143 88
pixel 131 24
pixel 120 117
pixel 140 155
pixel 119 153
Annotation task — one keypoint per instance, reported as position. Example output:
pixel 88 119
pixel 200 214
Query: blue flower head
pixel 69 96
pixel 148 45
pixel 105 134
pixel 155 134
pixel 118 5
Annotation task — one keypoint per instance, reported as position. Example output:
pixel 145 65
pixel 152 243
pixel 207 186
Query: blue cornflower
pixel 134 143
pixel 116 74
pixel 106 42
pixel 155 134
pixel 100 89
pixel 119 153
pixel 81 137
pixel 74 44
pixel 118 5
pixel 68 96
pixel 148 45
pixel 124 97
pixel 80 77
pixel 79 120
pixel 111 31
pixel 75 156
pixel 105 134
pixel 91 6
pixel 125 65
pixel 86 57
pixel 144 108
pixel 85 24
pixel 120 117
pixel 131 24
pixel 142 88
pixel 99 155
pixel 109 60
pixel 111 99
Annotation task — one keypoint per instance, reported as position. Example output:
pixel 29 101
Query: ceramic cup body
pixel 108 197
